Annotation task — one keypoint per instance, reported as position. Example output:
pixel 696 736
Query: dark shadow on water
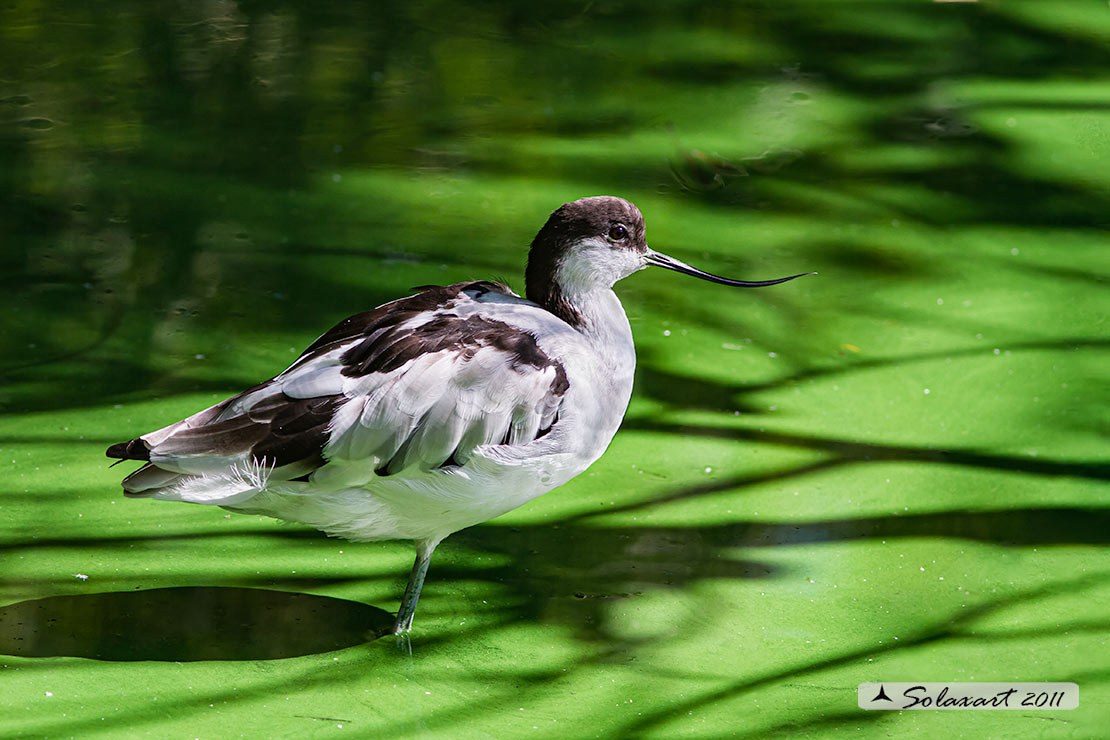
pixel 565 573
pixel 187 624
pixel 690 392
pixel 847 451
pixel 572 575
pixel 557 574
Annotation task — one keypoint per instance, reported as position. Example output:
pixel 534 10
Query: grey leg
pixel 412 591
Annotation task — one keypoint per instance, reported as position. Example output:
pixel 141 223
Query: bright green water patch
pixel 894 470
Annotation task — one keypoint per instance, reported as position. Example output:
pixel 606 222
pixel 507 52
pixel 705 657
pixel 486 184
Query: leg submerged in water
pixel 412 591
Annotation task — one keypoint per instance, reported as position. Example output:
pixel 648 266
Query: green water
pixel 895 470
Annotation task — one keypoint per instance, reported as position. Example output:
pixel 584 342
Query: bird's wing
pixel 410 383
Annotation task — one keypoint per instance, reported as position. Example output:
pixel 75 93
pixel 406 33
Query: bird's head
pixel 590 244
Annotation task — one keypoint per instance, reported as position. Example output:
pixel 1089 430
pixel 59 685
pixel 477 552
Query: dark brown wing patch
pixel 299 431
pixel 397 312
pixel 386 351
pixel 285 431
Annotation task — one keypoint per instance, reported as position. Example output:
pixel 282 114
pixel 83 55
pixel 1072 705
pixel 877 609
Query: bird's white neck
pixel 605 325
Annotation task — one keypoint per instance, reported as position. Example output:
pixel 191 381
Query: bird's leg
pixel 412 591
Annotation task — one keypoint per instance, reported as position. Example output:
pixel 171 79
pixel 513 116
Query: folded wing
pixel 410 385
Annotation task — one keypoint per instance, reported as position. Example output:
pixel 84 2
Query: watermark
pixel 901 695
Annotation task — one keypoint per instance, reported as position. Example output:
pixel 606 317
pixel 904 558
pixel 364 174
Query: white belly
pixel 425 505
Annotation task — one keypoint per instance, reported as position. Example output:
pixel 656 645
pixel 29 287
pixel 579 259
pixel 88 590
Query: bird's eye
pixel 617 232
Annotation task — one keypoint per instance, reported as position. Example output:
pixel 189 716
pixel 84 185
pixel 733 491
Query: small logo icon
pixel 882 695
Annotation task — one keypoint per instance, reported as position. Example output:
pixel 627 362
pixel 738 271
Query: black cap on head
pixel 586 217
pixel 600 216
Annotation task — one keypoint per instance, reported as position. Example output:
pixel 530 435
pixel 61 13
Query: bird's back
pixel 414 395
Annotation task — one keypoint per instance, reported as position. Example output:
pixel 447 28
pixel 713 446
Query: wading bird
pixel 433 412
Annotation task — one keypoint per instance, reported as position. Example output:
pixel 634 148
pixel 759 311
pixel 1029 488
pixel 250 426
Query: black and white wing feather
pixel 415 384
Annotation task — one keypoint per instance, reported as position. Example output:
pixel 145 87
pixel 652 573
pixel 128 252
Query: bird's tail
pixel 150 480
pixel 147 480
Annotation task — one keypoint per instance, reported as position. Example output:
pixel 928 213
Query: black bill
pixel 662 260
